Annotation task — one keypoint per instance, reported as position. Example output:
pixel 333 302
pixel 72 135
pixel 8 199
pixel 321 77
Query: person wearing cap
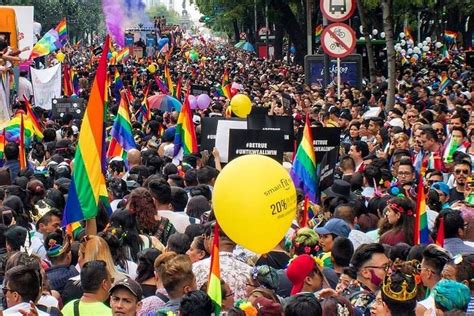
pixel 125 297
pixel 305 274
pixel 333 228
pixel 345 118
pixel 443 192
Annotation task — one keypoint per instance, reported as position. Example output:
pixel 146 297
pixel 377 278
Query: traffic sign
pixel 338 40
pixel 337 10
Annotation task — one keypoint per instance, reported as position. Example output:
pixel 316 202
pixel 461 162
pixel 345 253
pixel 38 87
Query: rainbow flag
pixel 61 28
pixel 169 80
pixel 13 129
pixel 445 82
pixel 161 85
pixel 49 43
pixel 185 137
pixel 226 85
pixel 118 85
pixel 450 36
pixel 317 32
pixel 303 171
pixel 445 53
pixel 214 283
pixel 87 181
pixel 440 234
pixel 421 219
pixel 144 114
pixel 37 128
pixel 73 229
pixel 124 53
pixel 75 82
pixel 122 136
pixel 22 151
pixel 179 85
pixel 2 144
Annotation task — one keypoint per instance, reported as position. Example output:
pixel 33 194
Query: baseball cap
pixel 441 186
pixel 130 285
pixel 335 226
pixel 298 269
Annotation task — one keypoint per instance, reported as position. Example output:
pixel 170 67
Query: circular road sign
pixel 337 10
pixel 338 40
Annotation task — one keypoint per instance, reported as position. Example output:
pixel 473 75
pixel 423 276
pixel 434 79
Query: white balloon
pixel 415 56
pixel 402 35
pixel 420 45
pixel 361 38
pixel 426 48
pixel 375 32
pixel 398 48
pixel 382 35
pixel 425 43
pixel 439 44
pixel 403 42
pixel 403 52
pixel 410 41
pixel 409 51
pixel 428 39
pixel 361 29
pixel 417 50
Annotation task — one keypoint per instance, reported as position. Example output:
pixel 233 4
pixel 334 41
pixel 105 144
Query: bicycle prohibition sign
pixel 338 40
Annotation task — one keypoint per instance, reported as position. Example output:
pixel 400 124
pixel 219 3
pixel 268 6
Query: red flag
pixel 440 235
pixel 22 156
pixel 304 219
pixel 178 88
pixel 68 88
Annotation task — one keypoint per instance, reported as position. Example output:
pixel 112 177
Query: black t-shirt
pixel 275 259
pixel 454 196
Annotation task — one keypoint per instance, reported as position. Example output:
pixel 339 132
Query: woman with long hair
pixel 400 215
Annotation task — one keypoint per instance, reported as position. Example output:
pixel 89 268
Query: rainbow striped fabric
pixel 161 85
pixel 118 85
pixel 303 171
pixel 61 28
pixel 317 32
pixel 179 85
pixel 214 284
pixel 122 136
pixel 445 82
pixel 421 220
pixel 37 128
pixel 21 147
pixel 49 43
pixel 185 137
pixel 169 80
pixel 2 144
pixel 450 36
pixel 88 182
pixel 124 53
pixel 226 85
pixel 144 113
pixel 12 130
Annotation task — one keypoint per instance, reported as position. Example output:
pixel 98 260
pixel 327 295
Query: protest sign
pixel 324 140
pixel 208 132
pixel 274 123
pixel 286 100
pixel 327 169
pixel 46 85
pixel 63 106
pixel 256 142
pixel 197 90
pixel 222 135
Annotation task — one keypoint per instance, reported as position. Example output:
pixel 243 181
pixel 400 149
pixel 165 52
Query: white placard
pixel 222 136
pixel 46 85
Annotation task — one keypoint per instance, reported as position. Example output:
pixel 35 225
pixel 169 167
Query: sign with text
pixel 222 135
pixel 63 106
pixel 208 132
pixel 197 90
pixel 256 142
pixel 324 140
pixel 351 70
pixel 274 123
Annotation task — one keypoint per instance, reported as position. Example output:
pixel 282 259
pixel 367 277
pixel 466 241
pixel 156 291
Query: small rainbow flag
pixel 2 144
pixel 185 138
pixel 37 128
pixel 144 114
pixel 178 89
pixel 161 85
pixel 445 82
pixel 61 28
pixel 317 32
pixel 421 220
pixel 226 85
pixel 75 82
pixel 303 171
pixel 118 85
pixel 124 53
pixel 87 181
pixel 450 36
pixel 122 136
pixel 450 150
pixel 169 80
pixel 214 283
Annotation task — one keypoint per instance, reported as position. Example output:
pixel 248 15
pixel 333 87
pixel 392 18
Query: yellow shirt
pixel 85 309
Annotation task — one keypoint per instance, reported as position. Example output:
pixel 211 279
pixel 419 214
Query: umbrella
pixel 240 44
pixel 248 47
pixel 164 103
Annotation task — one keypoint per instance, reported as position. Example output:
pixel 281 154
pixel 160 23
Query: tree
pixel 388 29
pixel 172 17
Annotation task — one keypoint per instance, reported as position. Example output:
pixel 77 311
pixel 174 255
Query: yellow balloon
pixel 254 201
pixel 241 105
pixel 60 56
pixel 114 54
pixel 152 68
pixel 186 54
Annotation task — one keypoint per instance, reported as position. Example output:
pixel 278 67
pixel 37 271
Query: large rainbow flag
pixel 124 53
pixel 122 136
pixel 35 123
pixel 49 43
pixel 214 284
pixel 61 28
pixel 185 137
pixel 13 128
pixel 88 182
pixel 303 172
pixel 421 221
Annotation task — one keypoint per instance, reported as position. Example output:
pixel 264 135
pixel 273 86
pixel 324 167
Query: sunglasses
pixel 463 171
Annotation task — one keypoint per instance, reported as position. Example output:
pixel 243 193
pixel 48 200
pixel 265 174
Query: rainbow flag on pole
pixel 122 136
pixel 61 28
pixel 226 85
pixel 13 129
pixel 22 151
pixel 317 33
pixel 185 141
pixel 450 36
pixel 214 284
pixel 445 82
pixel 49 43
pixel 169 80
pixel 88 182
pixel 36 126
pixel 144 113
pixel 421 219
pixel 303 171
pixel 2 144
pixel 124 53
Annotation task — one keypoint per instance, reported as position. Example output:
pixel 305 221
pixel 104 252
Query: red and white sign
pixel 337 10
pixel 338 40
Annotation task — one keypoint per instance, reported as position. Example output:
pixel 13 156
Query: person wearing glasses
pixel 434 260
pixel 371 265
pixel 96 283
pixel 462 172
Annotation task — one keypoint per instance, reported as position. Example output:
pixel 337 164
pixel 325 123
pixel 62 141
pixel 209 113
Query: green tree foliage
pixel 172 17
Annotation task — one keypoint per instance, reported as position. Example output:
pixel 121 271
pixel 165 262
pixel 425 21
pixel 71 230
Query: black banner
pixel 208 132
pixel 324 139
pixel 73 106
pixel 286 100
pixel 274 123
pixel 327 169
pixel 197 90
pixel 246 142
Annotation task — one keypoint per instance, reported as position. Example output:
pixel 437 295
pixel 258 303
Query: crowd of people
pixel 149 254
